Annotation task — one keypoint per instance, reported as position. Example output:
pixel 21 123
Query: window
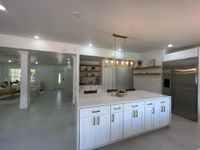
pixel 15 74
pixel 32 74
pixel 59 78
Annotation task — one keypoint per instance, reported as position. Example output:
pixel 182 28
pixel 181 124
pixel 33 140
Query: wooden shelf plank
pixel 89 70
pixel 149 67
pixel 147 73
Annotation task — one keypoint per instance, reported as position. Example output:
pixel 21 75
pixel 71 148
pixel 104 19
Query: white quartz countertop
pixel 105 99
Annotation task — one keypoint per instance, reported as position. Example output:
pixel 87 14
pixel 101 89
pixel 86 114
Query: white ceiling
pixel 43 58
pixel 149 24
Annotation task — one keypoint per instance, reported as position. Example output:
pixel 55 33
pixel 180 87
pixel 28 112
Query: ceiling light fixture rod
pixel 120 36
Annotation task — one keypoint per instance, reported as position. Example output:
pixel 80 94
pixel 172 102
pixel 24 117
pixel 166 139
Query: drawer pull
pixel 98 120
pixel 113 117
pixel 96 111
pixel 133 114
pixel 94 121
pixel 134 105
pixel 117 108
pixel 149 104
pixel 162 102
pixel 153 110
pixel 136 113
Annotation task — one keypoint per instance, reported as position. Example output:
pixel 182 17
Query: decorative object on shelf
pixel 152 62
pixel 115 62
pixel 121 93
pixel 139 63
pixel 150 70
pixel 90 74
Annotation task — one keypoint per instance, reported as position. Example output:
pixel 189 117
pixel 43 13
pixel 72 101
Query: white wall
pixel 119 78
pixel 52 46
pixel 44 74
pixel 151 83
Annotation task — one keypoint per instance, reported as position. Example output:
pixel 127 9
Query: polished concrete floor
pixel 49 125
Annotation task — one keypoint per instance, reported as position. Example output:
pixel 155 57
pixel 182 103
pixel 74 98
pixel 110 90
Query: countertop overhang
pixel 106 98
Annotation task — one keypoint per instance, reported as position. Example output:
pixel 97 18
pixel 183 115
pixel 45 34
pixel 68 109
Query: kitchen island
pixel 104 119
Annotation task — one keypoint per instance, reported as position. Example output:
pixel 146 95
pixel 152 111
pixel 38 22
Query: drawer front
pixel 86 112
pixel 149 103
pixel 133 106
pixel 117 108
pixel 164 100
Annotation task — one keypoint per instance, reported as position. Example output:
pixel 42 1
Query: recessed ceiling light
pixel 36 62
pixel 9 61
pixel 76 14
pixel 68 59
pixel 170 45
pixel 90 45
pixel 119 49
pixel 36 37
pixel 2 8
pixel 68 62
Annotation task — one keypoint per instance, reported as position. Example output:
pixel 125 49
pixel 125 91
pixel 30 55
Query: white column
pixel 25 80
pixel 76 63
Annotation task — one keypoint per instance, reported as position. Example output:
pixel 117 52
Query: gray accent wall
pixel 120 78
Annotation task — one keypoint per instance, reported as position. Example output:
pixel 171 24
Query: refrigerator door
pixel 166 79
pixel 184 91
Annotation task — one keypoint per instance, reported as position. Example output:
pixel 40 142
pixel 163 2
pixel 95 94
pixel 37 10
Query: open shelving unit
pixel 90 74
pixel 150 70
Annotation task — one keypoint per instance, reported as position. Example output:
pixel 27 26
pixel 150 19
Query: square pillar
pixel 25 80
pixel 76 63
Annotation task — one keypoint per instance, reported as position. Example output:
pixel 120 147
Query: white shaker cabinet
pixel 149 115
pixel 87 132
pixel 133 119
pixel 94 127
pixel 156 114
pixel 116 122
pixel 104 124
pixel 164 116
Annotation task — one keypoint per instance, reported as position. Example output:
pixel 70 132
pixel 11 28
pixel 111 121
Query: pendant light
pixel 115 61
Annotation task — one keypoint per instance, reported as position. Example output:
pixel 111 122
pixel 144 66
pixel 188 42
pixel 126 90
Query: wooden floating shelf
pixel 86 65
pixel 89 71
pixel 149 67
pixel 90 84
pixel 147 73
pixel 89 76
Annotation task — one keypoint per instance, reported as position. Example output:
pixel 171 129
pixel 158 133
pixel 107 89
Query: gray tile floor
pixel 49 125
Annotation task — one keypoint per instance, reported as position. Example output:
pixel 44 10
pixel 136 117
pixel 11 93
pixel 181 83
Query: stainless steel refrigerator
pixel 180 80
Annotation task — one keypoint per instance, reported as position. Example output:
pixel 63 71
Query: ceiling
pixel 149 24
pixel 43 58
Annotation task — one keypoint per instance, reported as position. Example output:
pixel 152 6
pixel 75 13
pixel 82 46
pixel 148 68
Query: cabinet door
pixel 157 114
pixel 149 115
pixel 138 119
pixel 102 129
pixel 128 123
pixel 116 126
pixel 165 115
pixel 87 132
